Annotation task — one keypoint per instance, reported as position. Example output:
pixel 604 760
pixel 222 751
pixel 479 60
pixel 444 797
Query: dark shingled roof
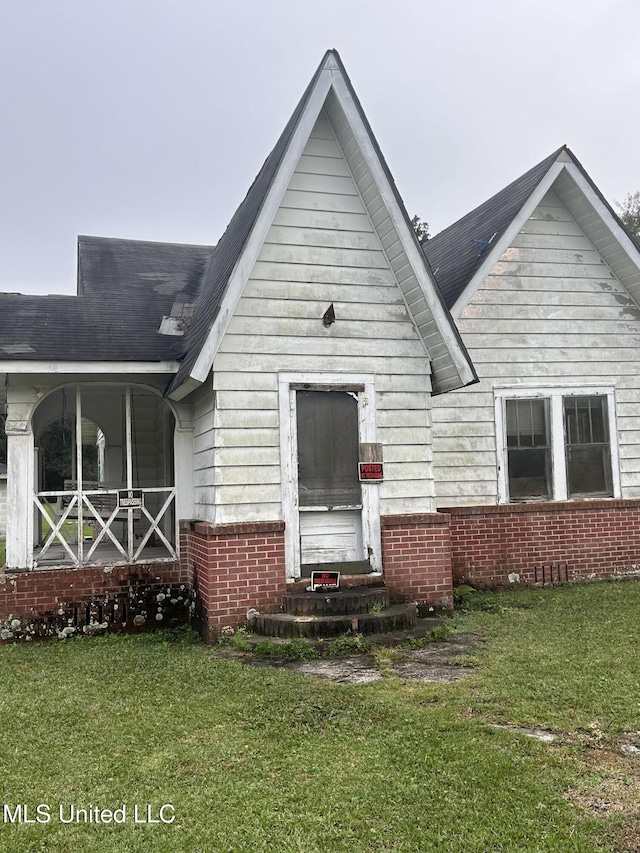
pixel 453 255
pixel 86 328
pixel 125 289
pixel 229 249
pixel 106 265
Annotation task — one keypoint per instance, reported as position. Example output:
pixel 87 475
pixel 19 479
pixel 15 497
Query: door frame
pixel 364 386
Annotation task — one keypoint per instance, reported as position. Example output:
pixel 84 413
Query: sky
pixel 149 119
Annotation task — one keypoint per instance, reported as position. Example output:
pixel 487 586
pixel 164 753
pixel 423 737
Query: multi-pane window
pixel 588 456
pixel 557 445
pixel 528 449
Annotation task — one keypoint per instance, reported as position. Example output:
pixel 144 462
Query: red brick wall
pixel 46 601
pixel 235 567
pixel 416 558
pixel 590 539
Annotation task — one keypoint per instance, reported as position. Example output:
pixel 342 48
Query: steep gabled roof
pixel 231 263
pixel 223 260
pixel 463 254
pixel 141 301
pixel 456 253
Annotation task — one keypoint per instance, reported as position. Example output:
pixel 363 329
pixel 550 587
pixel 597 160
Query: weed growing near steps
pixel 348 644
pixel 440 634
pixel 467 599
pixel 296 649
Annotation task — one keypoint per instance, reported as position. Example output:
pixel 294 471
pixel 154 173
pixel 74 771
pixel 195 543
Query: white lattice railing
pixel 66 514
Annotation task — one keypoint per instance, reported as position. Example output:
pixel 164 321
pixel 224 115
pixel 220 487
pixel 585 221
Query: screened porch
pixel 104 477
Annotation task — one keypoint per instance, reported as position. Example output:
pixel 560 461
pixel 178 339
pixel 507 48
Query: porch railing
pixel 66 514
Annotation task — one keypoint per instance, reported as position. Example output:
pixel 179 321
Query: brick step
pixel 398 617
pixel 375 579
pixel 340 603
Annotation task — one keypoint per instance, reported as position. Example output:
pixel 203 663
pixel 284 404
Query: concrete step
pixel 398 617
pixel 339 603
pixel 374 579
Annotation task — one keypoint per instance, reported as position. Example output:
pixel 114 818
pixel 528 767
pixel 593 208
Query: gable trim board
pixel 504 241
pixel 452 367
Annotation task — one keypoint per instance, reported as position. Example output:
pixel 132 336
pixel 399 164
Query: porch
pixel 101 460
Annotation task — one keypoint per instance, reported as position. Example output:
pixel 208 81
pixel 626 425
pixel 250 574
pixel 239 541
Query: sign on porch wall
pixel 370 468
pixel 130 499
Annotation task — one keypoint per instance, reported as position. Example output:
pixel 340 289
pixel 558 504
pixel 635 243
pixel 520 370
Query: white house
pixel 268 397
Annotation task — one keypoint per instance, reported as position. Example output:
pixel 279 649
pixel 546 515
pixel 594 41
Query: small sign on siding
pixel 370 465
pixel 371 472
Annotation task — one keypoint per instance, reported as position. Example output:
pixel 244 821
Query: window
pixel 3 443
pixel 557 444
pixel 587 446
pixel 528 449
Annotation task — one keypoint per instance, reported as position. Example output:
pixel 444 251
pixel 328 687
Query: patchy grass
pixel 3 552
pixel 262 759
pixel 564 657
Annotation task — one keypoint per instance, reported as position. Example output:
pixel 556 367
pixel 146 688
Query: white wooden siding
pixel 322 248
pixel 3 507
pixel 203 453
pixel 551 312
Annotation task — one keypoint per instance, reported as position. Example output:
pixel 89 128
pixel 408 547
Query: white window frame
pixel 555 397
pixel 364 386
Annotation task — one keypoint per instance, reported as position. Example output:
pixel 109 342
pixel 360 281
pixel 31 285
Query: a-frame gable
pixel 561 173
pixel 238 250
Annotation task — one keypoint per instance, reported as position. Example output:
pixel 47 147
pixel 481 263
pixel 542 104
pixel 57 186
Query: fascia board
pixel 190 384
pixel 28 366
pixel 407 240
pixel 626 243
pixel 503 243
pixel 254 244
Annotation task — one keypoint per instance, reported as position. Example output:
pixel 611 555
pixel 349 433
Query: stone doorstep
pixel 396 617
pixel 422 628
pixel 345 602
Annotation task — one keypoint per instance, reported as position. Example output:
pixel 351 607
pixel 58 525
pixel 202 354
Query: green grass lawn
pixel 3 551
pixel 262 759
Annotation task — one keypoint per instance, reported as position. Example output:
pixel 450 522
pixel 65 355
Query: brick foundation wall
pixel 46 602
pixel 416 559
pixel 572 540
pixel 235 567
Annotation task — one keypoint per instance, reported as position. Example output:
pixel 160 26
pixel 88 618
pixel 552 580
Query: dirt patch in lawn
pixel 436 662
pixel 611 790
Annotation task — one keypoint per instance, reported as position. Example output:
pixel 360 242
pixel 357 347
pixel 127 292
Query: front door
pixel 329 492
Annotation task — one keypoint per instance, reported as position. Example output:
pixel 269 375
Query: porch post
pixel 183 466
pixel 20 488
